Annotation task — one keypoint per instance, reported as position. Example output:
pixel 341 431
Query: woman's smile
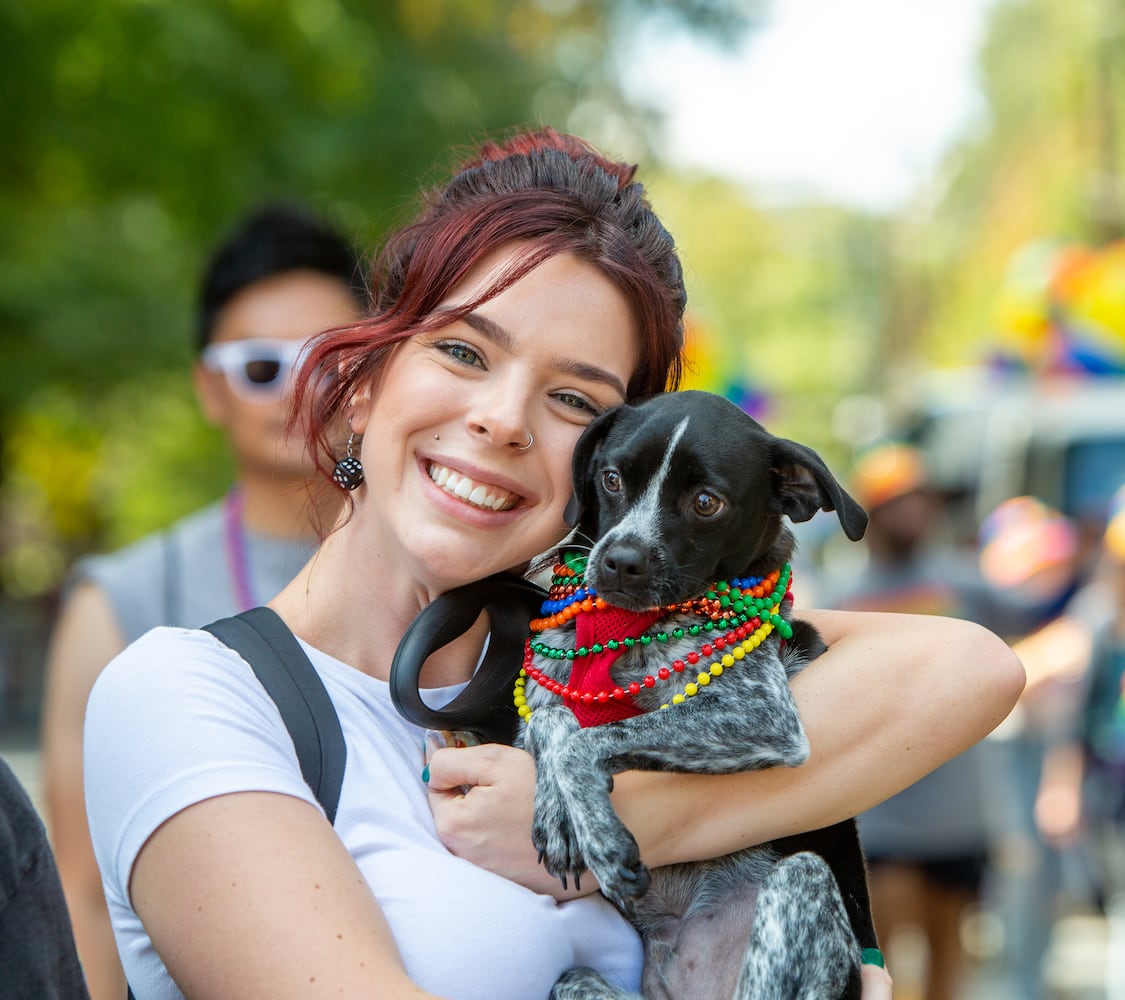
pixel 485 495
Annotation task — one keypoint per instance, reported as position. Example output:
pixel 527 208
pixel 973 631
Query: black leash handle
pixel 485 707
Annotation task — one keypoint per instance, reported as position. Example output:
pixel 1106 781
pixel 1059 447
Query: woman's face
pixel 448 488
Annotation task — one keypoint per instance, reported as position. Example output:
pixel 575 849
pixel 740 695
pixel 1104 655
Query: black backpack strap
pixel 284 670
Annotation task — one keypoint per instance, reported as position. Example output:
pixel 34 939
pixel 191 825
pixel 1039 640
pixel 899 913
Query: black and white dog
pixel 686 668
pixel 684 498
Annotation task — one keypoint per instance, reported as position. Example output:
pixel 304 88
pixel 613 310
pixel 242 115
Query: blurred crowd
pixel 979 863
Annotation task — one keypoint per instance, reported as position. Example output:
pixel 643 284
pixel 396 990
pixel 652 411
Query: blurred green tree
pixel 134 131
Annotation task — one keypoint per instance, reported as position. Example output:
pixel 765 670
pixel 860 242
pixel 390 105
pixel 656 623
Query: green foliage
pixel 136 131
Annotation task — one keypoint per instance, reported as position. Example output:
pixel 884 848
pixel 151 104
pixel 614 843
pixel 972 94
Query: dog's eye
pixel 611 480
pixel 707 504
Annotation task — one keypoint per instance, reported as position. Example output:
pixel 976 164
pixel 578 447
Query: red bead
pixel 618 694
pixel 649 681
pixel 664 673
pixel 603 697
pixel 720 643
pixel 693 658
pixel 678 666
pixel 707 650
pixel 634 688
pixel 588 698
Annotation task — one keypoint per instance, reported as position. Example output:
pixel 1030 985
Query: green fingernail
pixel 426 773
pixel 873 956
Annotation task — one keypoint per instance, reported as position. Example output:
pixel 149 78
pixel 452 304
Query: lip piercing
pixel 530 442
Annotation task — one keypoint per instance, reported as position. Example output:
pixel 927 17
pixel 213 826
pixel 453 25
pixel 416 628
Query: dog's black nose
pixel 624 563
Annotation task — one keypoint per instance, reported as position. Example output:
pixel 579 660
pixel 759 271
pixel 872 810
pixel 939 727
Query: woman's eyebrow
pixel 580 369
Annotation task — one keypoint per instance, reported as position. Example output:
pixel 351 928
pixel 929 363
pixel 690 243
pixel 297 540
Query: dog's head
pixel 686 488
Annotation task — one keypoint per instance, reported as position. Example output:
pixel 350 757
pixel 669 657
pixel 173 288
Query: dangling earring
pixel 349 471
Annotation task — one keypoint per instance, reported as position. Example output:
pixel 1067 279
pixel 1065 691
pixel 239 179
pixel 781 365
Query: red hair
pixel 554 194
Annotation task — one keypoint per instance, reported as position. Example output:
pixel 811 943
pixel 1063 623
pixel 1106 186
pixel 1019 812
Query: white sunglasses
pixel 259 369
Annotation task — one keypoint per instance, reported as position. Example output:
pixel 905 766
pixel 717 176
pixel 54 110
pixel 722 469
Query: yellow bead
pixel 520 700
pixel 524 711
pixel 739 652
pixel 665 705
pixel 677 699
pixel 704 678
pixel 716 669
pixel 691 690
pixel 728 660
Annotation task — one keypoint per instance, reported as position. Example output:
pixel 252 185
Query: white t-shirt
pixel 178 717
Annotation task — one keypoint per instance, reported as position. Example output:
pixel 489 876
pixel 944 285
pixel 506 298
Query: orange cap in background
pixel 1023 537
pixel 886 472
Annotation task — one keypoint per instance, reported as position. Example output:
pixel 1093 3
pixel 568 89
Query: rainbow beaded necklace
pixel 733 618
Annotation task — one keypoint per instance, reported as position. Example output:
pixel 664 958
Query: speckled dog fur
pixel 785 921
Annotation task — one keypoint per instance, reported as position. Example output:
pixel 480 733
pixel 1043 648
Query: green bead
pixel 569 654
pixel 629 643
pixel 646 640
pixel 597 647
pixel 612 644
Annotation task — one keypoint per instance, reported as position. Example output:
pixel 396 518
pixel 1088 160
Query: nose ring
pixel 530 442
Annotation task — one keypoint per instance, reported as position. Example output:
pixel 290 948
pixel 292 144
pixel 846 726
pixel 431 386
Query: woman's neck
pixel 355 604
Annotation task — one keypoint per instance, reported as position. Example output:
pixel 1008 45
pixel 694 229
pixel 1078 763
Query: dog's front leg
pixel 547 736
pixel 575 826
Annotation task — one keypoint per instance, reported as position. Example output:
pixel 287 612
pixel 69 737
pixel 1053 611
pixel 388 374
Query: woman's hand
pixel 490 822
pixel 875 982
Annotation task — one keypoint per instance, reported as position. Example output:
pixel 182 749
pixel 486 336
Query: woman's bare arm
pixel 253 894
pixel 894 697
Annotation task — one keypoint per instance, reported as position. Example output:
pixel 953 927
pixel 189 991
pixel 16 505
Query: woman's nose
pixel 500 416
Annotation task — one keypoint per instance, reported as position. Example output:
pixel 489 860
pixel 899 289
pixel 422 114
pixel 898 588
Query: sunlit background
pixel 865 193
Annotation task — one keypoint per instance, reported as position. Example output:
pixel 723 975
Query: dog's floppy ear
pixel 584 452
pixel 803 485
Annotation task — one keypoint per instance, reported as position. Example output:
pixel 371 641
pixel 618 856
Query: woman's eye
pixel 707 504
pixel 576 402
pixel 611 480
pixel 460 352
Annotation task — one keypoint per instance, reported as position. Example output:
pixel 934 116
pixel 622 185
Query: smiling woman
pixel 535 291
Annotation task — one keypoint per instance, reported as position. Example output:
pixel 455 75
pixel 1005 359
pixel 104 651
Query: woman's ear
pixel 359 410
pixel 210 391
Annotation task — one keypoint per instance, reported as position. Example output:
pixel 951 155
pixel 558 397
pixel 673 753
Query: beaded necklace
pixel 733 617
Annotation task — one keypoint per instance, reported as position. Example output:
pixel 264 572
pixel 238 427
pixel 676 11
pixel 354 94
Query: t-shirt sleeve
pixel 175 719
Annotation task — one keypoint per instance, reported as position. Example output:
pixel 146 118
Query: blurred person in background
pixel 278 277
pixel 37 952
pixel 1032 552
pixel 1081 799
pixel 928 846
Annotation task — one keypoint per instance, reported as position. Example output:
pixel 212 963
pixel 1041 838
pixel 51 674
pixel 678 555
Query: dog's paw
pixel 575 830
pixel 621 874
pixel 586 984
pixel 553 837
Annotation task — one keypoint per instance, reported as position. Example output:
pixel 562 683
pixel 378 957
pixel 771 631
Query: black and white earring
pixel 349 470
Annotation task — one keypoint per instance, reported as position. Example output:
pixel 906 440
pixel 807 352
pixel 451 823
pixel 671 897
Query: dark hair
pixel 555 194
pixel 273 239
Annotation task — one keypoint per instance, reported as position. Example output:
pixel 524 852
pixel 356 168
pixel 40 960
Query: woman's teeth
pixel 478 494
